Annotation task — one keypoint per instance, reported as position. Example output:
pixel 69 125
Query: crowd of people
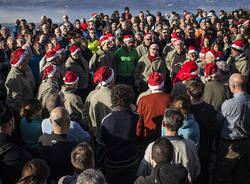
pixel 125 99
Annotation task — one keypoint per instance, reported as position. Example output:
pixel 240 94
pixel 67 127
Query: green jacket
pixel 20 87
pixel 73 103
pixel 93 46
pixel 47 88
pixel 125 61
pixel 101 58
pixel 142 50
pixel 80 68
pixel 239 64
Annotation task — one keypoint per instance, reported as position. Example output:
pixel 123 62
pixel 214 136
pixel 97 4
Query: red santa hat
pixel 103 40
pixel 127 38
pixel 93 14
pixel 245 21
pixel 49 71
pixel 70 78
pixel 188 71
pixel 191 50
pixel 84 25
pixel 155 81
pixel 18 57
pixel 147 35
pixel 204 51
pixel 212 53
pixel 51 55
pixel 103 75
pixel 238 24
pixel 178 40
pixel 174 36
pixel 238 45
pixel 110 36
pixel 58 49
pixel 211 70
pixel 73 50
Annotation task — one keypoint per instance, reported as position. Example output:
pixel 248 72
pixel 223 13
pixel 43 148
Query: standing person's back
pixel 30 125
pixel 215 93
pixel 99 102
pixel 151 109
pixel 12 157
pixel 55 149
pixel 117 138
pixel 205 115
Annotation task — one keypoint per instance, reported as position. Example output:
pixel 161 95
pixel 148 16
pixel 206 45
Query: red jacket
pixel 151 109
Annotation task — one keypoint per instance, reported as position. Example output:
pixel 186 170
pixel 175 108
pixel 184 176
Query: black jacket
pixel 56 150
pixel 165 173
pixel 12 159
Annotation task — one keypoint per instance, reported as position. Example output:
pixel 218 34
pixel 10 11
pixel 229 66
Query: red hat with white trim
pixel 147 35
pixel 174 36
pixel 191 50
pixel 110 36
pixel 51 55
pixel 238 45
pixel 211 70
pixel 245 21
pixel 103 75
pixel 93 14
pixel 178 40
pixel 18 57
pixel 212 53
pixel 73 50
pixel 127 38
pixel 238 24
pixel 49 71
pixel 155 81
pixel 103 40
pixel 204 51
pixel 189 70
pixel 70 78
pixel 58 49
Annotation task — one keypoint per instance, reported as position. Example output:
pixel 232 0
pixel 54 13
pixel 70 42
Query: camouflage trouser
pixel 232 163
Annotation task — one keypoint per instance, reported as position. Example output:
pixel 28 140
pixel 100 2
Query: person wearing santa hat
pixel 103 57
pixel 151 108
pixel 55 57
pixel 192 53
pixel 126 59
pixel 170 46
pixel 77 64
pixel 237 61
pixel 98 103
pixel 72 102
pixel 215 93
pixel 148 63
pixel 49 84
pixel 143 48
pixel 113 46
pixel 210 57
pixel 175 58
pixel 189 72
pixel 20 82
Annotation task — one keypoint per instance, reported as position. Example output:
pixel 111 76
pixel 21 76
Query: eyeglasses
pixel 164 32
pixel 92 33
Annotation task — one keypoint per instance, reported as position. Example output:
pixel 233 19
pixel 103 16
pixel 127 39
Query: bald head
pixel 237 83
pixel 59 117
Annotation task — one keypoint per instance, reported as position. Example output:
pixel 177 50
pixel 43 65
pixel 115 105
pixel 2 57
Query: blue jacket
pixel 31 131
pixel 189 130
